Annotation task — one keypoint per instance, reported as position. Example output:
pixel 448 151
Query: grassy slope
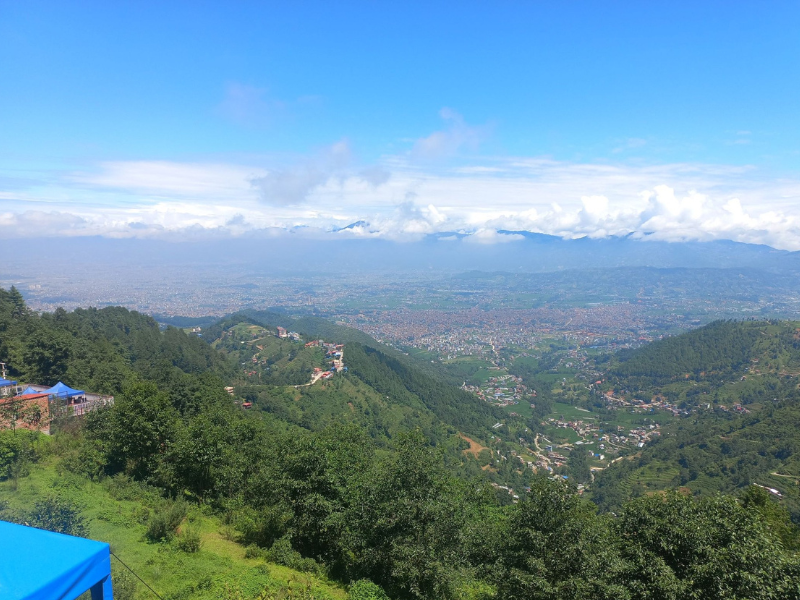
pixel 218 570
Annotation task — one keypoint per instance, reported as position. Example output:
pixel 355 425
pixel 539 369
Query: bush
pixel 157 528
pixel 253 551
pixel 57 514
pixel 163 523
pixel 189 540
pixel 124 585
pixel 366 590
pixel 282 553
pixel 17 450
pixel 121 487
pixel 141 514
pixel 88 460
pixel 262 527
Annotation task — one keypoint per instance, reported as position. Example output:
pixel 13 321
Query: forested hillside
pixel 208 500
pixel 97 349
pixel 315 328
pixel 737 384
pixel 389 376
pixel 310 327
pixel 715 453
pixel 381 394
pixel 719 350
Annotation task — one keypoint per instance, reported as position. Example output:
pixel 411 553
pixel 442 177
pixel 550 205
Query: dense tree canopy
pixel 397 518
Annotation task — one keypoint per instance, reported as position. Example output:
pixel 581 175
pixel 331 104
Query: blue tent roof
pixel 63 391
pixel 29 390
pixel 6 382
pixel 42 565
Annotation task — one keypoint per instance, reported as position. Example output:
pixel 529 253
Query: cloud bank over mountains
pixel 440 186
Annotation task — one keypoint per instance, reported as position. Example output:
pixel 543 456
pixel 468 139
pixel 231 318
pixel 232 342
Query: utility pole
pixel 3 368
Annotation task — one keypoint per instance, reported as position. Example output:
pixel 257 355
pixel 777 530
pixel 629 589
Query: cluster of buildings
pixel 333 352
pixel 595 441
pixel 292 335
pixel 639 436
pixel 578 426
pixel 479 333
pixel 625 438
pixel 502 390
pixel 637 405
pixel 35 406
pixel 550 460
pixel 508 490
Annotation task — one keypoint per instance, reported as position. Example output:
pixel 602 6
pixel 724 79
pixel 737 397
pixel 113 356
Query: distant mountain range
pixel 521 251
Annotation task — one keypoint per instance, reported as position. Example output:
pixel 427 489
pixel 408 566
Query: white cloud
pixel 166 178
pixel 375 175
pixel 447 142
pixel 491 236
pixel 399 198
pixel 408 221
pixel 290 187
pixel 36 222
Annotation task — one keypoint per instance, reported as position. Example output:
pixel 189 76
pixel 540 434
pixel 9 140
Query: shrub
pixel 163 523
pixel 366 590
pixel 17 450
pixel 124 585
pixel 157 528
pixel 189 540
pixel 262 527
pixel 82 459
pixel 253 551
pixel 282 553
pixel 141 514
pixel 121 487
pixel 57 514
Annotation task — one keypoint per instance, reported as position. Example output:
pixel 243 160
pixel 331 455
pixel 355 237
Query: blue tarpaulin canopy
pixel 29 390
pixel 6 382
pixel 42 565
pixel 63 391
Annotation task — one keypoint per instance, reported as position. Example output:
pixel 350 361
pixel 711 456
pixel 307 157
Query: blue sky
pixel 669 119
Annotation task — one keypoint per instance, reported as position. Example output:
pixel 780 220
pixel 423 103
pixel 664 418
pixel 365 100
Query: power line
pixel 155 593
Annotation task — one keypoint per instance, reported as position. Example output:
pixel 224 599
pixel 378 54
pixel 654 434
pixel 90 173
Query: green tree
pixel 197 452
pixel 46 356
pixel 578 464
pixel 17 451
pixel 712 548
pixel 774 515
pixel 136 431
pixel 555 547
pixel 405 524
pixel 18 307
